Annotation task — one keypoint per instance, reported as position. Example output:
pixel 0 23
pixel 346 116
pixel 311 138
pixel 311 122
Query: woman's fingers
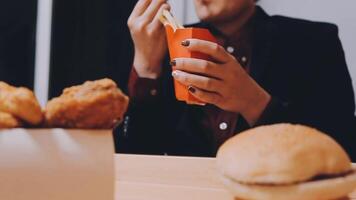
pixel 212 49
pixel 156 23
pixel 198 66
pixel 205 96
pixel 202 82
pixel 152 10
pixel 140 8
pixel 144 13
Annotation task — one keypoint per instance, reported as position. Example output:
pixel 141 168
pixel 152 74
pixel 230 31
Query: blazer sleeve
pixel 329 105
pixel 148 120
pixel 139 131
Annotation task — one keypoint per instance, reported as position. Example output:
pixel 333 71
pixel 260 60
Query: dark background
pixel 17 41
pixel 90 40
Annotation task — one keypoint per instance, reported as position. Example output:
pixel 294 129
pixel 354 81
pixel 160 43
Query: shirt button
pixel 223 126
pixel 230 49
pixel 153 92
pixel 244 59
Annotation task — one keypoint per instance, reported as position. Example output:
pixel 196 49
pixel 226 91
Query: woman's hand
pixel 148 36
pixel 223 83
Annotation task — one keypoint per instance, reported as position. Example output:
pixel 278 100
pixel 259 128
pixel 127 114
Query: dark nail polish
pixel 185 43
pixel 173 63
pixel 191 89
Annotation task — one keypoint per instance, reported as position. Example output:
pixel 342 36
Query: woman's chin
pixel 207 17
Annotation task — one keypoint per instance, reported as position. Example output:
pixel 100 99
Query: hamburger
pixel 285 161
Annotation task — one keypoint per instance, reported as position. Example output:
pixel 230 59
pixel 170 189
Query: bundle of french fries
pixel 168 19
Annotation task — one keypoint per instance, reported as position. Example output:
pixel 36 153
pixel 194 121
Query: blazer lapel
pixel 263 36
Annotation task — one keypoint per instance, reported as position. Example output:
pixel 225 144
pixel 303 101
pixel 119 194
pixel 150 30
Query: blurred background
pixel 48 45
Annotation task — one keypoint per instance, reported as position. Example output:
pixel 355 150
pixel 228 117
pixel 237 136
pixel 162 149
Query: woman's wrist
pixel 146 69
pixel 256 105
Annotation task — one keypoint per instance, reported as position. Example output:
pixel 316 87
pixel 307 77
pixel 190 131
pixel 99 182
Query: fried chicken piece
pixel 95 104
pixel 21 103
pixel 9 121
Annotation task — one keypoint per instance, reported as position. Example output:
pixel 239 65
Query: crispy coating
pixel 9 121
pixel 95 104
pixel 21 103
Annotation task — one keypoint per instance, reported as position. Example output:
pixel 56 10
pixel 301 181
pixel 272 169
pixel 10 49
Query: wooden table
pixel 169 178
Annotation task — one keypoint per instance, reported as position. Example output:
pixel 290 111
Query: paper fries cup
pixel 176 50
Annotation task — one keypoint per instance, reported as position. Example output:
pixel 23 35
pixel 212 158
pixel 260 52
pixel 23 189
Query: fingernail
pixel 185 43
pixel 173 63
pixel 175 74
pixel 191 89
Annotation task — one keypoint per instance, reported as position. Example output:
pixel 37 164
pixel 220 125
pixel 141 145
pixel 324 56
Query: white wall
pixel 342 13
pixel 43 49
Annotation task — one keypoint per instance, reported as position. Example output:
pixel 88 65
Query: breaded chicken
pixel 95 104
pixel 21 103
pixel 9 121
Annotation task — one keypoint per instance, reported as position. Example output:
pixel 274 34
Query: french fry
pixel 163 20
pixel 167 19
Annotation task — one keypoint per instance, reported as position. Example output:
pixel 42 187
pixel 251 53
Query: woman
pixel 266 69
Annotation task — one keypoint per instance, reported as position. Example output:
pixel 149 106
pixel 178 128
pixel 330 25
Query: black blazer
pixel 300 63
